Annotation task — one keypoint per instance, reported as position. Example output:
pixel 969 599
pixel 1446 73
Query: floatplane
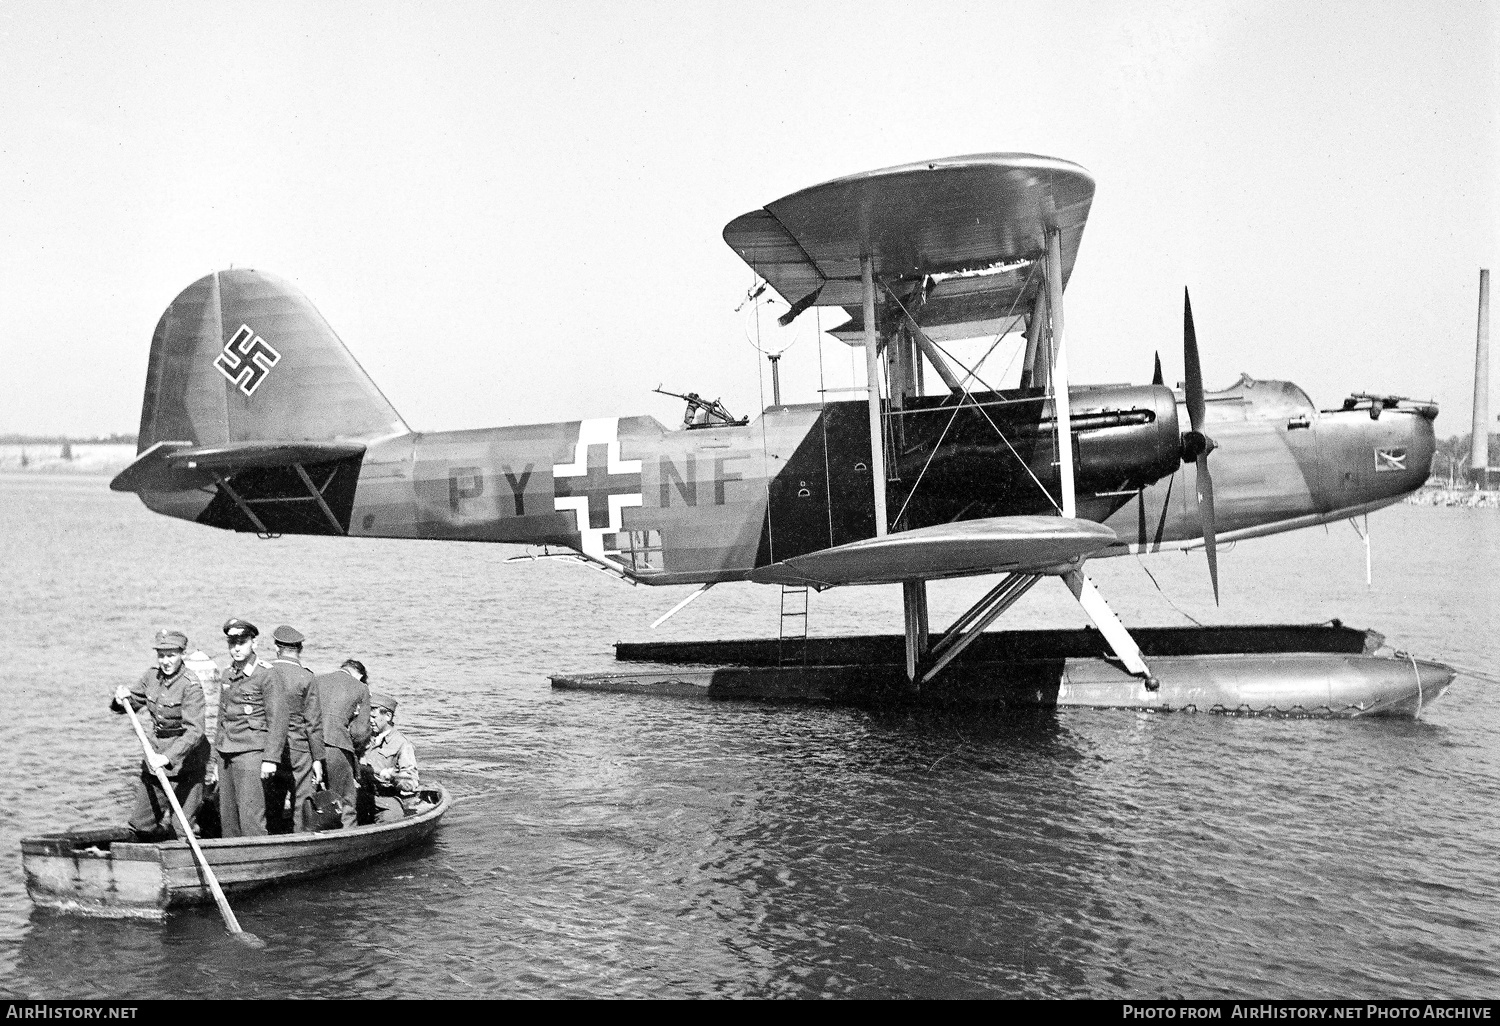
pixel 256 418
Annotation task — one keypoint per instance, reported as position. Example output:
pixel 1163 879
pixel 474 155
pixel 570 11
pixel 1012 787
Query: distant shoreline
pixel 87 458
pixel 1442 495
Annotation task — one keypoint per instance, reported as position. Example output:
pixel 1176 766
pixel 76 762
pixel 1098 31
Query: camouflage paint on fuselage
pixel 1280 464
pixel 712 504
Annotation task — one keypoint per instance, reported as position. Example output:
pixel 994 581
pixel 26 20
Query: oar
pixel 230 922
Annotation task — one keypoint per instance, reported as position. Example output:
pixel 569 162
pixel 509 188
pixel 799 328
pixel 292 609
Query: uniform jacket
pixel 293 717
pixel 176 707
pixel 346 710
pixel 242 709
pixel 392 751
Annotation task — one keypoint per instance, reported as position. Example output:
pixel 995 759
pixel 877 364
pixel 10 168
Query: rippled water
pixel 611 845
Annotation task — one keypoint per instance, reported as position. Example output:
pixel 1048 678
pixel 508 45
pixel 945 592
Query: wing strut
pixel 1062 410
pixel 1034 366
pixel 1082 588
pixel 872 373
pixel 931 352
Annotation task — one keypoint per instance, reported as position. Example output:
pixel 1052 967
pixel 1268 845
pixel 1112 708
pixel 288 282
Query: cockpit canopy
pixel 1269 397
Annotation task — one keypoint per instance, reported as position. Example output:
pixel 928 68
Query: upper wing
pixel 997 544
pixel 978 223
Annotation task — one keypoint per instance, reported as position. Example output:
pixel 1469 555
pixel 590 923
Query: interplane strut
pixel 1046 360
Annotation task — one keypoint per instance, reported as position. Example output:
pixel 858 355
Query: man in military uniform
pixel 293 754
pixel 242 734
pixel 201 665
pixel 389 763
pixel 174 699
pixel 345 699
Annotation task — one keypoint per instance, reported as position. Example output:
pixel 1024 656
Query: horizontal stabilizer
pixel 1028 544
pixel 179 466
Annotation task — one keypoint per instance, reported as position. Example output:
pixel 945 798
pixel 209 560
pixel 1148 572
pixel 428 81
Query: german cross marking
pixel 596 486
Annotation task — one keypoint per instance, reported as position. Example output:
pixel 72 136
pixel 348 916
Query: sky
pixel 511 213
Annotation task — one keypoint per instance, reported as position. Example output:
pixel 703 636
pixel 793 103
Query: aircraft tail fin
pixel 242 356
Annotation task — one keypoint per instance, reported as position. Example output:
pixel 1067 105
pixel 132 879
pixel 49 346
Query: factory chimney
pixel 1479 448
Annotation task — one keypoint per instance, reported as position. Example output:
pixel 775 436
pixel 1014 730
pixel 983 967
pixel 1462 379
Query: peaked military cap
pixel 287 635
pixel 380 700
pixel 166 639
pixel 234 627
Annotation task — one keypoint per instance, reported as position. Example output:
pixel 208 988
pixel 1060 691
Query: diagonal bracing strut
pixel 967 628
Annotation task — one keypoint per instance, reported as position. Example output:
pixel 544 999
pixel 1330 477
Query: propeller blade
pixel 1206 520
pixel 1156 377
pixel 1193 372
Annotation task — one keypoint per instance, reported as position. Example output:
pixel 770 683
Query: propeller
pixel 1195 444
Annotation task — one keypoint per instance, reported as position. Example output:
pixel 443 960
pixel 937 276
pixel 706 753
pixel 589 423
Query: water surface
pixel 607 845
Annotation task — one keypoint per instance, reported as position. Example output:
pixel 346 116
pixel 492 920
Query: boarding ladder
pixel 791 643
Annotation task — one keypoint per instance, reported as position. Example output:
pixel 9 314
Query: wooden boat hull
pixel 102 872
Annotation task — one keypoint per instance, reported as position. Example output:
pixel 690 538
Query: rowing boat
pixel 104 871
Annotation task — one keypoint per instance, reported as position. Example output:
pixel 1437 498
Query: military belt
pixel 170 731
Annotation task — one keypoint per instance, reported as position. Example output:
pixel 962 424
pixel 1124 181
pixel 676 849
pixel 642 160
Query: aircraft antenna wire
pixel 966 394
pixel 1008 315
pixel 968 371
pixel 1164 595
pixel 921 473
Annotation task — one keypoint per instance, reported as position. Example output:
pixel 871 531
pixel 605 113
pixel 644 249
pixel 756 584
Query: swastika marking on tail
pixel 247 359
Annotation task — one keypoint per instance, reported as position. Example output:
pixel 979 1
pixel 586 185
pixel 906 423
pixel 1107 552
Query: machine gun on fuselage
pixel 704 413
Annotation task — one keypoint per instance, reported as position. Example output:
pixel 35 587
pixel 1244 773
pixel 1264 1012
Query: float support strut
pixel 1109 625
pixel 914 603
pixel 967 628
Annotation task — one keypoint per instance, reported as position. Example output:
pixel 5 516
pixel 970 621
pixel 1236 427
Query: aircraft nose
pixel 1421 446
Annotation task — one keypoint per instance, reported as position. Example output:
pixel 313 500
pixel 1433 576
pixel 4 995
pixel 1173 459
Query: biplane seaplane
pixel 257 418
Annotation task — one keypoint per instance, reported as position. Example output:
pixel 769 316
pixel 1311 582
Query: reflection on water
pixel 608 845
